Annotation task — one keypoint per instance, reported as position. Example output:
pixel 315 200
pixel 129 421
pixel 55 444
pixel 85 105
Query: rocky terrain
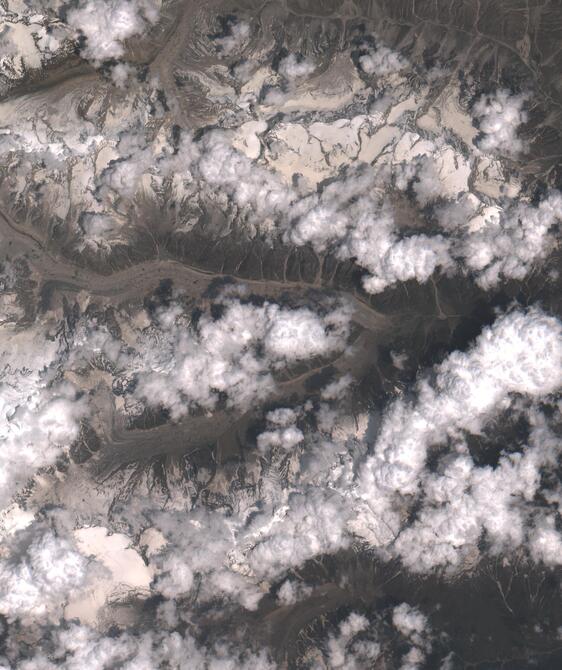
pixel 280 315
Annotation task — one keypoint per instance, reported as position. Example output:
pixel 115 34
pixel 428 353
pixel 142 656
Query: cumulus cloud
pixel 331 218
pixel 40 574
pixel 120 74
pixel 229 556
pixel 521 353
pixel 39 417
pixel 362 643
pixel 353 215
pixel 499 116
pixel 281 519
pixel 382 61
pixel 410 622
pixel 546 541
pixel 285 438
pixel 337 389
pixel 414 626
pixel 34 435
pixel 237 36
pixel 312 523
pixel 291 592
pixel 106 24
pixel 98 231
pixel 509 244
pixel 251 187
pixel 463 500
pixel 80 647
pixel 199 555
pixel 235 354
pixel 344 650
pixel 291 67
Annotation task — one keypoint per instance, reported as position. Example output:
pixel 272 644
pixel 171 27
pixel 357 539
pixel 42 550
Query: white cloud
pixel 238 35
pixel 414 626
pixel 337 389
pixel 42 572
pixel 292 67
pixel 343 650
pixel 224 556
pixel 34 435
pixel 415 257
pixel 175 577
pixel 199 550
pixel 500 116
pixel 382 61
pixel 39 418
pixel 410 622
pixel 77 647
pixel 121 73
pixel 312 523
pixel 353 216
pixel 462 501
pixel 265 201
pixel 510 244
pixel 362 227
pixel 285 438
pixel 546 542
pixel 235 354
pixel 106 24
pixel 354 624
pixel 251 186
pixel 520 353
pixel 413 660
pixel 98 231
pixel 283 416
pixel 291 592
pixel 359 643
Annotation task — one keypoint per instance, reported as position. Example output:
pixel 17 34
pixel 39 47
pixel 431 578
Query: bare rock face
pixel 281 348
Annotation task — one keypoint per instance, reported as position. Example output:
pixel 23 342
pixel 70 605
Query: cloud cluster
pixel 360 642
pixel 198 556
pixel 39 416
pixel 521 353
pixel 77 647
pixel 353 216
pixel 414 626
pixel 311 524
pixel 251 186
pixel 235 354
pixel 499 116
pixel 282 431
pixel 462 501
pixel 545 542
pixel 291 592
pixel 509 244
pixel 324 477
pixel 346 650
pixel 291 67
pixel 107 24
pixel 214 554
pixel 42 571
pixel 237 36
pixel 382 61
